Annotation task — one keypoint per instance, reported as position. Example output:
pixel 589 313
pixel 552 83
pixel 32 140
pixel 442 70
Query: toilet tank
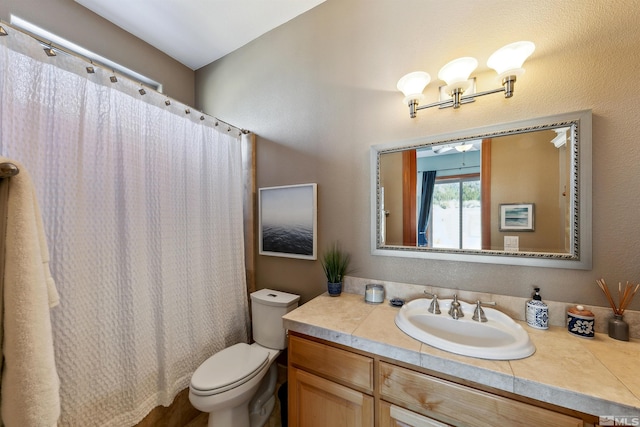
pixel 267 309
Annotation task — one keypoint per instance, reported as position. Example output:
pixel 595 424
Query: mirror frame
pixel 581 183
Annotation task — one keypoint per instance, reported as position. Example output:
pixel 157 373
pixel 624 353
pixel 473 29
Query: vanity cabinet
pixel 328 386
pixel 331 386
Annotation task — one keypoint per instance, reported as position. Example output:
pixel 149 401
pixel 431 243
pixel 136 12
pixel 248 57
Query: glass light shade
pixel 412 85
pixel 464 147
pixel 508 60
pixel 458 70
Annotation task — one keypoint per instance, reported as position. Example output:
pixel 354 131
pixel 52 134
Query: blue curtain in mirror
pixel 426 198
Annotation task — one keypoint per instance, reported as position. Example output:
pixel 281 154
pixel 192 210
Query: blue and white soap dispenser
pixel 537 312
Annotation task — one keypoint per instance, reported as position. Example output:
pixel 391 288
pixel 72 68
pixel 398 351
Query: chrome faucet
pixel 454 310
pixel 478 313
pixel 434 307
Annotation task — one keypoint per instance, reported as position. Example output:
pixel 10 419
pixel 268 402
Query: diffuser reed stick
pixel 624 296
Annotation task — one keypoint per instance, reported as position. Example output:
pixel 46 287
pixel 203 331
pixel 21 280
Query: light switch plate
pixel 511 243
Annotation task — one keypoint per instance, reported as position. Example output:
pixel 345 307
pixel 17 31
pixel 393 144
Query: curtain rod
pixel 91 63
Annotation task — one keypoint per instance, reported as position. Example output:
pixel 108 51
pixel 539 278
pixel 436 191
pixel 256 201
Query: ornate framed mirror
pixel 514 193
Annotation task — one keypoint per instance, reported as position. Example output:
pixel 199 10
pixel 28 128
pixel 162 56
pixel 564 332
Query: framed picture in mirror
pixel 517 217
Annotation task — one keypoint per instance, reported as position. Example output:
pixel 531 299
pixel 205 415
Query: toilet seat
pixel 228 369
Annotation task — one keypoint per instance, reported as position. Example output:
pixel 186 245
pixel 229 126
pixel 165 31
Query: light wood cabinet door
pixel 317 402
pixel 395 416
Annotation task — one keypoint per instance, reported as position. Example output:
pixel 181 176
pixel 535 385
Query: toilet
pixel 236 386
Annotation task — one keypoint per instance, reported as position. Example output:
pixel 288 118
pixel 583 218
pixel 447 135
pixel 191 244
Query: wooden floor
pixel 182 414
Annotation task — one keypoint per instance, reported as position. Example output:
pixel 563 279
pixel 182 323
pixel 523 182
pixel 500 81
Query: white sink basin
pixel 499 338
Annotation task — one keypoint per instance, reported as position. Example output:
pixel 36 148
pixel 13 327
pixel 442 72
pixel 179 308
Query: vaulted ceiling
pixel 197 32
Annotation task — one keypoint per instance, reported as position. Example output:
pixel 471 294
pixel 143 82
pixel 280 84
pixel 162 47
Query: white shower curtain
pixel 142 206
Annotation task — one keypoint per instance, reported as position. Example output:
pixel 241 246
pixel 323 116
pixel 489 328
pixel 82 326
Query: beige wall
pixel 320 90
pixel 525 168
pixel 69 20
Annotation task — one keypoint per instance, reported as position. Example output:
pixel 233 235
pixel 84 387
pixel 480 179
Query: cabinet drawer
pixel 462 405
pixel 394 416
pixel 332 363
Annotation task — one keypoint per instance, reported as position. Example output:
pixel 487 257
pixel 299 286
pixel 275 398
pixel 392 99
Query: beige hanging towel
pixel 30 383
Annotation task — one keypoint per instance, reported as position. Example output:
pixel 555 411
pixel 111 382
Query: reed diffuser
pixel 618 328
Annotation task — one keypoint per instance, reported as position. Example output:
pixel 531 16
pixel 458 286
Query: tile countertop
pixel 598 377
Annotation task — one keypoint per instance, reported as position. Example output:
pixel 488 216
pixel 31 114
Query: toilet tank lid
pixel 275 298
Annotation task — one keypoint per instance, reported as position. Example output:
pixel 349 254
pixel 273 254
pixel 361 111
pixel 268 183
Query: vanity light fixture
pixel 562 134
pixel 463 148
pixel 506 61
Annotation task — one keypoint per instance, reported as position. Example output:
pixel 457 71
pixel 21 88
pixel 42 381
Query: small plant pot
pixel 334 289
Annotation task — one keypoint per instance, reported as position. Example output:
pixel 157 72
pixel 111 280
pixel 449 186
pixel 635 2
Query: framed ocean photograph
pixel 287 221
pixel 516 217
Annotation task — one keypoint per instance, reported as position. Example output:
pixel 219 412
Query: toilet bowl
pixel 236 386
pixel 225 383
pixel 264 400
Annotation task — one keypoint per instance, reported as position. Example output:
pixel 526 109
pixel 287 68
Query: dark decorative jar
pixel 581 322
pixel 618 328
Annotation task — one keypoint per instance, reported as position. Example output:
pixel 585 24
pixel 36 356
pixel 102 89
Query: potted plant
pixel 335 263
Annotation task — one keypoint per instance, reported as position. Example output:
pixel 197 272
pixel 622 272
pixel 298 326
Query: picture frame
pixel 288 221
pixel 517 217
